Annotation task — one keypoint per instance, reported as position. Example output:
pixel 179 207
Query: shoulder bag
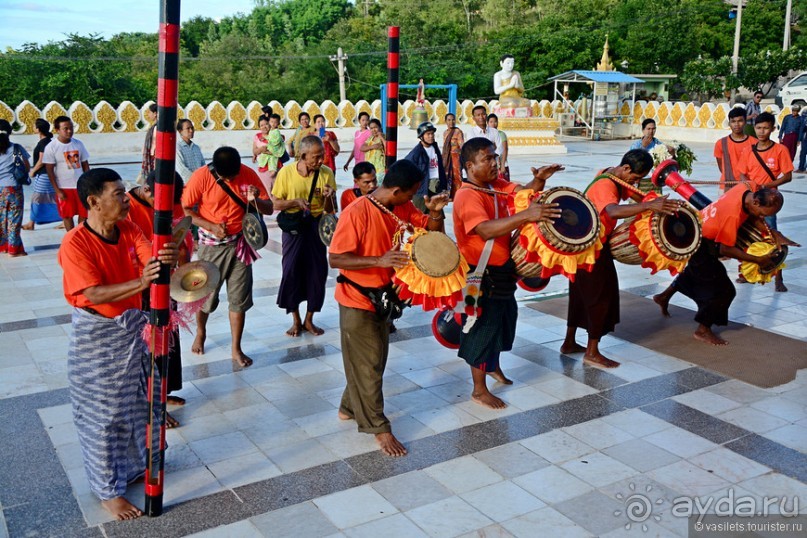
pixel 291 223
pixel 19 172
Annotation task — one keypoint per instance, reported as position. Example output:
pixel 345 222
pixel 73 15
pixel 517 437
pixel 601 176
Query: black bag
pixel 388 306
pixel 19 172
pixel 291 223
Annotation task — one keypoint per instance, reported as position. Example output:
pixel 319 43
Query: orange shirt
pixel 348 197
pixel 777 157
pixel 722 218
pixel 142 214
pixel 89 260
pixel 736 150
pixel 603 193
pixel 215 205
pixel 473 207
pixel 364 230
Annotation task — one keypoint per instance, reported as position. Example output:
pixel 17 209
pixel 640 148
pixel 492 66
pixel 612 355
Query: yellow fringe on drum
pixel 430 292
pixel 552 261
pixel 751 270
pixel 652 258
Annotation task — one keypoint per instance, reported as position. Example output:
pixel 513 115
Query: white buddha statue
pixel 507 84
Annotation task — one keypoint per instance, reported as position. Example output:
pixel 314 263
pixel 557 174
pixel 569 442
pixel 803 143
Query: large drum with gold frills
pixel 564 246
pixel 436 272
pixel 657 241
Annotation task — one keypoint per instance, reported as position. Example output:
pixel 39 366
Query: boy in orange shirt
pixel 364 182
pixel 729 149
pixel 363 251
pixel 766 164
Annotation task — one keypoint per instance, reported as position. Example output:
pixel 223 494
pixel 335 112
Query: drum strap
pixel 473 286
pixel 762 163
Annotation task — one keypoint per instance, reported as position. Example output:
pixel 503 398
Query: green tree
pixel 761 70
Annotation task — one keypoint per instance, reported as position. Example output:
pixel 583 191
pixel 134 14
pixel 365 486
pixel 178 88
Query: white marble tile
pixel 776 485
pixel 549 521
pixel 553 484
pixel 296 456
pixel 636 422
pixel 410 490
pixel 502 501
pixel 429 377
pixel 784 407
pixel 511 460
pixel 640 455
pixel 221 447
pixel 565 388
pixel 189 484
pixel 302 520
pixel 729 465
pixel 304 367
pixel 687 478
pixel 738 391
pixel 526 398
pixel 792 435
pixel 246 469
pixel 395 526
pixel 354 506
pixel 557 446
pixel 59 414
pixel 680 442
pixel 598 469
pixel 448 517
pixel 463 474
pixel 706 401
pixel 752 419
pixel 445 419
pixel 598 434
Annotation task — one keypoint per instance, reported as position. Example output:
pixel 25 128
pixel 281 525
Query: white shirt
pixel 434 171
pixel 490 133
pixel 67 159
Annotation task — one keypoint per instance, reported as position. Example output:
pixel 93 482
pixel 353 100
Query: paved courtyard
pixel 260 451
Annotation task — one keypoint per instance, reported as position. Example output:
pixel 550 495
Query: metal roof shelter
pixel 605 104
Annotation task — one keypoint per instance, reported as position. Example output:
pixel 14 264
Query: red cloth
pixel 71 205
pixel 89 260
pixel 722 218
pixel 473 207
pixel 364 230
pixel 790 141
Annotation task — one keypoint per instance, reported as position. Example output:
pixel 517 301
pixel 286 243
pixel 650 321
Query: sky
pixel 40 21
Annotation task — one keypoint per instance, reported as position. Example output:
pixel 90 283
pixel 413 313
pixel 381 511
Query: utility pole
pixel 786 43
pixel 340 59
pixel 735 58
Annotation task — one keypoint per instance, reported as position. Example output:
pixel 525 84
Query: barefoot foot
pixel 171 422
pixel 389 445
pixel 313 329
pixel 343 416
pixel 780 286
pixel 28 226
pixel 741 279
pixel 198 347
pixel 241 359
pixel 571 347
pixel 295 330
pixel 709 337
pixel 664 303
pixel 499 376
pixel 121 508
pixel 175 400
pixel 600 361
pixel 487 399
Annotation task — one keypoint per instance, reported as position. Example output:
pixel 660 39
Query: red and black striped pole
pixel 393 62
pixel 165 154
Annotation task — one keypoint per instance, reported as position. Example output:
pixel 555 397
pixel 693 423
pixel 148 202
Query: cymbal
pixel 180 229
pixel 194 281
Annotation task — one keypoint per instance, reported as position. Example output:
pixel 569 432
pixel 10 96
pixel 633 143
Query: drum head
pixel 780 257
pixel 578 226
pixel 680 232
pixel 255 231
pixel 194 281
pixel 327 225
pixel 435 254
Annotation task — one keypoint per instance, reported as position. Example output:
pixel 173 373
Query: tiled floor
pixel 261 453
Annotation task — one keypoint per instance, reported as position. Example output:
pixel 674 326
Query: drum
pixel 748 234
pixel 656 241
pixel 570 243
pixel 435 274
